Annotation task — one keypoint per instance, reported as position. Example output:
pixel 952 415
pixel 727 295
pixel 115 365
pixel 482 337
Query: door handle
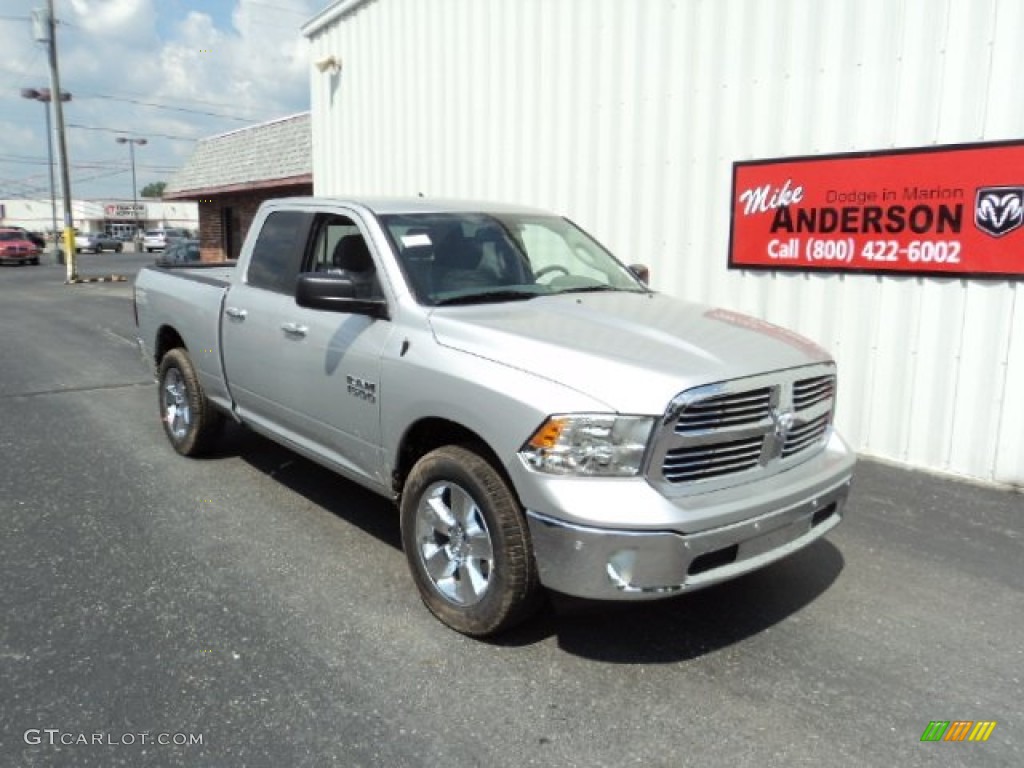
pixel 235 312
pixel 294 329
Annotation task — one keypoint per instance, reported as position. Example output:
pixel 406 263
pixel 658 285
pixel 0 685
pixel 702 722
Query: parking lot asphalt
pixel 259 607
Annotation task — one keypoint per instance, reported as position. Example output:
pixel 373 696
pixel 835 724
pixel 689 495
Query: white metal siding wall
pixel 627 117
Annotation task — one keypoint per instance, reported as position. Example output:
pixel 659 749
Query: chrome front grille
pixel 735 431
pixel 805 435
pixel 808 392
pixel 726 411
pixel 700 462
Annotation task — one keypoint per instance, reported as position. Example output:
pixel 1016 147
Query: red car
pixel 15 247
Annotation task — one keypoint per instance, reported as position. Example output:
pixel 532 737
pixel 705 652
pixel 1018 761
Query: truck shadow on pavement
pixel 347 500
pixel 692 625
pixel 662 631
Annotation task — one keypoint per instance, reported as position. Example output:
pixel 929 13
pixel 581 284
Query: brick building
pixel 229 175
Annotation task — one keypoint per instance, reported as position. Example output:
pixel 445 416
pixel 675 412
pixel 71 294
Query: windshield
pixel 457 258
pixel 11 236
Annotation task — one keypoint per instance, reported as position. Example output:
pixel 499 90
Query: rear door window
pixel 279 250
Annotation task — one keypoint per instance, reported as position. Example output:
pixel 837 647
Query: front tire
pixel 190 421
pixel 467 543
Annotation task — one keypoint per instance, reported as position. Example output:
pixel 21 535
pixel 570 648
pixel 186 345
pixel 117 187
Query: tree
pixel 156 189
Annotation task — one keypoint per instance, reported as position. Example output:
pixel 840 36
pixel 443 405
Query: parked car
pixel 16 248
pixel 158 239
pixel 183 251
pixel 34 237
pixel 96 242
pixel 539 415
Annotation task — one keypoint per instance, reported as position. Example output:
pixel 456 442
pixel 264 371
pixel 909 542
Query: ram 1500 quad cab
pixel 540 416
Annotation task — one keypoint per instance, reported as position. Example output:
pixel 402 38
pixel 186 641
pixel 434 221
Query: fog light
pixel 620 568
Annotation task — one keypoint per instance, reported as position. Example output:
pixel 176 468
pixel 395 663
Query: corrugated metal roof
pixel 278 149
pixel 330 14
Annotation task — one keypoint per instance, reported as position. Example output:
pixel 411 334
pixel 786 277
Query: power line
pixel 96 176
pixel 88 164
pixel 156 105
pixel 5 17
pixel 27 189
pixel 22 158
pixel 133 133
pixel 23 73
pixel 30 192
pixel 184 100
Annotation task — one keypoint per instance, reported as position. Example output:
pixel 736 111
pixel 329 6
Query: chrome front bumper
pixel 608 564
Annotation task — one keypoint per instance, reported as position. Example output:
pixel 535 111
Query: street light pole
pixel 44 27
pixel 44 96
pixel 53 193
pixel 135 193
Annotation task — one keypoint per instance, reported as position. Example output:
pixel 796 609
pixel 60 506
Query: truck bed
pixel 186 300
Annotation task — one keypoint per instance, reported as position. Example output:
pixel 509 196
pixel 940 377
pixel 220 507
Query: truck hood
pixel 632 351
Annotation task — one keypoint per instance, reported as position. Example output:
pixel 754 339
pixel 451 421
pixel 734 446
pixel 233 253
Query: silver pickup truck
pixel 540 416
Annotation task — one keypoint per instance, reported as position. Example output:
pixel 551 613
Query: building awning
pixel 250 186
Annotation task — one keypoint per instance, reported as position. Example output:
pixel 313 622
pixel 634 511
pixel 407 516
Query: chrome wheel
pixel 467 542
pixel 453 543
pixel 177 412
pixel 189 419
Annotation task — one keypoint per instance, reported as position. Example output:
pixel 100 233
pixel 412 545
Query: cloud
pixel 258 64
pixel 230 62
pixel 116 18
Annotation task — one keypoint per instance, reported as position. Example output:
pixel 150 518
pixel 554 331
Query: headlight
pixel 589 444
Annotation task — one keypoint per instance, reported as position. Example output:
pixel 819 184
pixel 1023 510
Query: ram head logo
pixel 999 210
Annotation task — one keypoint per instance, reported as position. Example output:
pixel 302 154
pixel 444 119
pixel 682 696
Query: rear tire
pixel 467 543
pixel 190 421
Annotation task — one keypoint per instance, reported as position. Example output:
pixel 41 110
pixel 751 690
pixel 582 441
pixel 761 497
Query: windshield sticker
pixel 414 241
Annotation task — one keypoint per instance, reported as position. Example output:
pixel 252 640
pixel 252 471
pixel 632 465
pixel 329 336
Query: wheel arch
pixel 428 434
pixel 167 338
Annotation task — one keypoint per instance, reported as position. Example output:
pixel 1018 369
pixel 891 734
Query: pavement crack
pixel 74 390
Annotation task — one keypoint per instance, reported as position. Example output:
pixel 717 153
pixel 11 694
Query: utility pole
pixel 46 32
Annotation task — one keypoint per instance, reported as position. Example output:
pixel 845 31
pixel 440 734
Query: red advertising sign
pixel 955 209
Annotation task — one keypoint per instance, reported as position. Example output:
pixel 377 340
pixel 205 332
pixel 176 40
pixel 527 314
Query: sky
pixel 169 71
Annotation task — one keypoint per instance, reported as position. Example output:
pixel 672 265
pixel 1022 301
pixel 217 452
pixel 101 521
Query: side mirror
pixel 335 293
pixel 641 272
